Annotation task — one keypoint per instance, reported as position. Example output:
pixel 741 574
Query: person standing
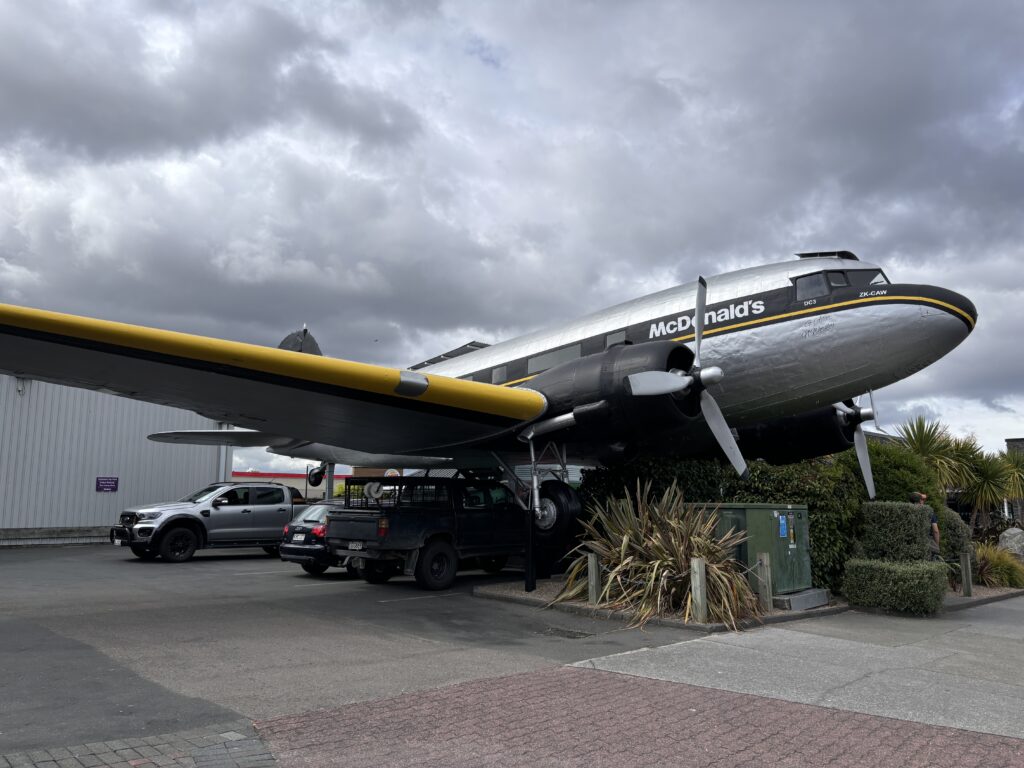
pixel 920 498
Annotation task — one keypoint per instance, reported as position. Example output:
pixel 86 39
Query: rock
pixel 1012 540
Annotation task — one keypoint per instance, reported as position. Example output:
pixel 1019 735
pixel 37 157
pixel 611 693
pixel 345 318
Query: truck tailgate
pixel 357 525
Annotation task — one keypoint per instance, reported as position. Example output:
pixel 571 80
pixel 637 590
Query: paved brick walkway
pixel 223 745
pixel 579 717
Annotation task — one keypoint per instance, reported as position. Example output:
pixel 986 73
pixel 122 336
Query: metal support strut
pixel 532 514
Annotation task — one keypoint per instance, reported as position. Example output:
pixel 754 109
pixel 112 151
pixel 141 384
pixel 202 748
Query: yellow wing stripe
pixel 518 404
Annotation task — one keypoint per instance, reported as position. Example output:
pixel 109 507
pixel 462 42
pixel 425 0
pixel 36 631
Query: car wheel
pixel 436 566
pixel 143 553
pixel 272 551
pixel 374 572
pixel 494 563
pixel 178 545
pixel 314 569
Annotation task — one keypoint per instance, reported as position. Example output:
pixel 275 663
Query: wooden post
pixel 965 573
pixel 764 581
pixel 699 589
pixel 593 578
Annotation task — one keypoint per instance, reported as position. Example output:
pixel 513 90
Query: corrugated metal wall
pixel 55 441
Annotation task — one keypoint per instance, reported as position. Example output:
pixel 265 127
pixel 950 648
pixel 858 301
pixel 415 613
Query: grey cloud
pixel 85 83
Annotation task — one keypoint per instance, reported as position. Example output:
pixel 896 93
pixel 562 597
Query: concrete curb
pixel 581 609
pixel 970 602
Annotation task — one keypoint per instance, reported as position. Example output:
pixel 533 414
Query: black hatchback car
pixel 305 540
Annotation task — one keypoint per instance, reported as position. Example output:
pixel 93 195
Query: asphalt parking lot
pixel 241 661
pixel 98 645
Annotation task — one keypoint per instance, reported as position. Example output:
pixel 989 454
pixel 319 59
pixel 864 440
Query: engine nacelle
pixel 794 438
pixel 594 390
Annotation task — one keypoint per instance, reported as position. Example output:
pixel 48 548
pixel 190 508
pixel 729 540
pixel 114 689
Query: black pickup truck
pixel 423 526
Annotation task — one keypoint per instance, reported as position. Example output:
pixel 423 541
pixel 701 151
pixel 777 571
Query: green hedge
pixel 907 587
pixel 954 535
pixel 895 531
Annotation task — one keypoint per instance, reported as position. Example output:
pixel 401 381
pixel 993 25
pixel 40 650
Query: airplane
pixel 763 362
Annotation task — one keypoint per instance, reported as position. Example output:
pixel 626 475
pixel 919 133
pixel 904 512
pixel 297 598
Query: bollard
pixel 593 578
pixel 764 579
pixel 965 573
pixel 699 589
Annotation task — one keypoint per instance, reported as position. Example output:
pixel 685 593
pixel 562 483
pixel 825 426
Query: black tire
pixel 493 563
pixel 436 566
pixel 352 571
pixel 567 507
pixel 272 551
pixel 178 545
pixel 314 569
pixel 143 553
pixel 375 572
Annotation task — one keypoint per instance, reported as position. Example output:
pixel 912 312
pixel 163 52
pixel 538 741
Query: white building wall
pixel 55 441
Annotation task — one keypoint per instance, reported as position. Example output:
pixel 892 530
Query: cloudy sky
pixel 406 176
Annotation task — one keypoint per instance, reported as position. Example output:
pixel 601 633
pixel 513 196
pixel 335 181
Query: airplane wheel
pixel 560 506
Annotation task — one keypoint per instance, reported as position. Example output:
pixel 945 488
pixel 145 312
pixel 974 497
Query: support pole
pixel 593 578
pixel 330 482
pixel 764 578
pixel 699 589
pixel 965 574
pixel 531 513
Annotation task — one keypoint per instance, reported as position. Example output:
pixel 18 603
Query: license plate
pixel 357 545
pixel 299 537
pixel 118 542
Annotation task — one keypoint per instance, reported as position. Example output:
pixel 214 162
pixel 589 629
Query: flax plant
pixel 645 544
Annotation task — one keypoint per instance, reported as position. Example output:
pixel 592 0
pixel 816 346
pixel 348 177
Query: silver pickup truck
pixel 220 515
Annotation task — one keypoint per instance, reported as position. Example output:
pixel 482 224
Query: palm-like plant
pixel 946 455
pixel 1014 462
pixel 986 488
pixel 645 545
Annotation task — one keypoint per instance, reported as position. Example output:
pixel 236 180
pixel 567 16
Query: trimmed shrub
pixel 895 531
pixel 907 587
pixel 995 567
pixel 954 535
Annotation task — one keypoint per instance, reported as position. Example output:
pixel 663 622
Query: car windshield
pixel 203 494
pixel 314 514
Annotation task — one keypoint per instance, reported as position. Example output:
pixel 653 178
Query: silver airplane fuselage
pixel 784 348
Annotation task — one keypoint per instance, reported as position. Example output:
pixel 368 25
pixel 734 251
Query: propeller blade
pixel 650 383
pixel 698 319
pixel 860 442
pixel 720 429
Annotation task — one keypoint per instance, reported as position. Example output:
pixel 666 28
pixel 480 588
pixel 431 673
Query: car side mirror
pixel 220 502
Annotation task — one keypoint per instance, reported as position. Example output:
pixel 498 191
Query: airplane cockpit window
pixel 811 286
pixel 859 277
pixel 837 279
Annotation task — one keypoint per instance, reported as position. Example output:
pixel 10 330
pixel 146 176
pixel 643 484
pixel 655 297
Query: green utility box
pixel 781 530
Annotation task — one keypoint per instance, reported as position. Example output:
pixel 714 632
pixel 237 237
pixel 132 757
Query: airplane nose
pixel 956 304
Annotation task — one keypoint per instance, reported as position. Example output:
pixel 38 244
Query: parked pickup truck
pixel 423 526
pixel 220 515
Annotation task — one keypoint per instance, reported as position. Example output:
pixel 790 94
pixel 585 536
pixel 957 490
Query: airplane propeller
pixel 696 380
pixel 856 416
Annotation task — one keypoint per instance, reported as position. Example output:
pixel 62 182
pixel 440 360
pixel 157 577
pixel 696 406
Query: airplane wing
pixel 367 408
pixel 302 449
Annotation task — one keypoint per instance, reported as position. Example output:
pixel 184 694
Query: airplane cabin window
pixel 499 375
pixel 837 279
pixel 611 339
pixel 549 359
pixel 811 286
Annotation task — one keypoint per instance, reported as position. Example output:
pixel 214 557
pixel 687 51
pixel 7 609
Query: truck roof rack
pixel 828 255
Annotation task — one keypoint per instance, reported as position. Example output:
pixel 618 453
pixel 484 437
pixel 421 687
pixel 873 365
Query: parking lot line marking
pixel 317 584
pixel 259 573
pixel 422 597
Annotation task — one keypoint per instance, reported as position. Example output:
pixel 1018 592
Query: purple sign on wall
pixel 106 484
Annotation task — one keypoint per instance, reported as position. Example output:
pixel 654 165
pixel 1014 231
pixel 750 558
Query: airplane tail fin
pixel 301 341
